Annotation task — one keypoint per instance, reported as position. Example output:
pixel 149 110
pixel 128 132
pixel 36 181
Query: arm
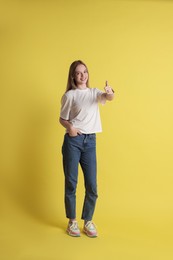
pixel 70 129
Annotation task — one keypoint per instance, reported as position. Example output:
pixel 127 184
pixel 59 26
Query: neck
pixel 82 86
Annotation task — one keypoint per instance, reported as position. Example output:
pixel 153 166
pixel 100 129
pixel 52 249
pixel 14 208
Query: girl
pixel 80 116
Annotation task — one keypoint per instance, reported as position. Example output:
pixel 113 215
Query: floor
pixel 24 237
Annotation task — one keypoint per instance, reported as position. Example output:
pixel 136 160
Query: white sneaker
pixel 73 229
pixel 90 229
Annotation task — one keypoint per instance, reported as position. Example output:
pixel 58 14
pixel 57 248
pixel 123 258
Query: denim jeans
pixel 80 149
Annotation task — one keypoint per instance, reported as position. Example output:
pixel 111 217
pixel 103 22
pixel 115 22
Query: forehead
pixel 80 67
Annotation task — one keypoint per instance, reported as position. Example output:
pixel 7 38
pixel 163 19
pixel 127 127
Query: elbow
pixel 61 120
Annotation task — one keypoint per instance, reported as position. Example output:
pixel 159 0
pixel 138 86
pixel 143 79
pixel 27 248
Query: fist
pixel 108 89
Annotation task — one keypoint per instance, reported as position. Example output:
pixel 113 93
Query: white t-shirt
pixel 80 108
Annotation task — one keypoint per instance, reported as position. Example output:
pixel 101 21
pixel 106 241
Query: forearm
pixel 72 131
pixel 65 123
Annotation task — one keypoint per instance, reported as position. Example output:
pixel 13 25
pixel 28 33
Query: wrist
pixel 69 127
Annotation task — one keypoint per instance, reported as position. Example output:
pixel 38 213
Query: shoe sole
pixel 92 236
pixel 72 235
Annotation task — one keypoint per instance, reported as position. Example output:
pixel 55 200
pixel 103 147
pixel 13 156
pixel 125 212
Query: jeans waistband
pixel 89 134
pixel 92 134
pixel 86 136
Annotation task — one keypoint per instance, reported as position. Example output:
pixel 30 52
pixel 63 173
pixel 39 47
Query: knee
pixel 92 191
pixel 70 186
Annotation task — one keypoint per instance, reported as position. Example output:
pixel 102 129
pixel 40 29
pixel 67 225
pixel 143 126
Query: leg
pixel 89 167
pixel 71 156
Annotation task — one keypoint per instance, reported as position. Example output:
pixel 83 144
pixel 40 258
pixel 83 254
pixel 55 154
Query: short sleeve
pixel 100 97
pixel 66 103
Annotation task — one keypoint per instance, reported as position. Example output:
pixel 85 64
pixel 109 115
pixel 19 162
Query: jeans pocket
pixel 71 136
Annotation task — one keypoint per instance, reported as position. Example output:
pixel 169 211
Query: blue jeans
pixel 80 149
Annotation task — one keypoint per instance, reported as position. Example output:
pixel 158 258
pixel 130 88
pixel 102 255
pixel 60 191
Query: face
pixel 81 75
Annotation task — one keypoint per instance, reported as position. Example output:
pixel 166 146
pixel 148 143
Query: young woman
pixel 80 116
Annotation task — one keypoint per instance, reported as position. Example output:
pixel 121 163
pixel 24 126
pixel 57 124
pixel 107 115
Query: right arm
pixel 72 131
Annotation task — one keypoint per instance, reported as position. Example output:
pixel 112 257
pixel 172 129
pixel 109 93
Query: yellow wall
pixel 128 43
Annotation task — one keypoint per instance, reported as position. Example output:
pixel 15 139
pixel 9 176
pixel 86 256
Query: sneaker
pixel 90 229
pixel 73 229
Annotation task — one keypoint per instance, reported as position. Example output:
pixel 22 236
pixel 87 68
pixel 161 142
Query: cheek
pixel 76 78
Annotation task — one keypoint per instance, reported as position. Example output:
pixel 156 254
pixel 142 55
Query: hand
pixel 108 89
pixel 72 131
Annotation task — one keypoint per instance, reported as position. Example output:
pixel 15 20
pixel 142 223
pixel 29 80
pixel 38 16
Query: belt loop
pixel 85 138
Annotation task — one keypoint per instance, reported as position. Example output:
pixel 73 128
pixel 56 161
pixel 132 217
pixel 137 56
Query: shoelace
pixel 74 225
pixel 90 225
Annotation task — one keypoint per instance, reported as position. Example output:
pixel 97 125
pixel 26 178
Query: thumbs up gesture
pixel 108 89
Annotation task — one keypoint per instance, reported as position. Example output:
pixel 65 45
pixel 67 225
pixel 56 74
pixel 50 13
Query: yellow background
pixel 128 43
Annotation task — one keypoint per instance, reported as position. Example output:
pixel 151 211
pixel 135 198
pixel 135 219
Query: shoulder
pixel 96 91
pixel 68 94
pixel 67 97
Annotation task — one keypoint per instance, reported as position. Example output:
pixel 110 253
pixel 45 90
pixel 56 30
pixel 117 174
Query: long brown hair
pixel 71 84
